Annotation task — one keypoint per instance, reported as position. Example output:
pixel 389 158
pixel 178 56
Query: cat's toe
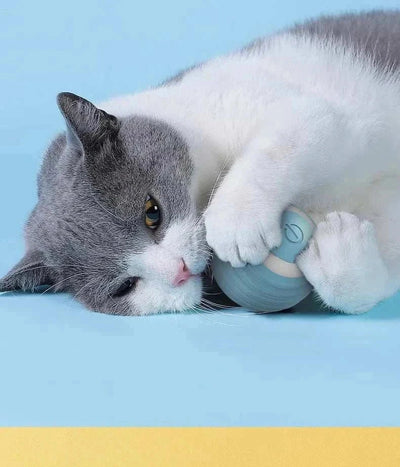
pixel 252 247
pixel 343 263
pixel 238 238
pixel 221 239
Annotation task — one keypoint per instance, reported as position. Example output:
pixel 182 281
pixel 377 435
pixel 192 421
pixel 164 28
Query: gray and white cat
pixel 309 116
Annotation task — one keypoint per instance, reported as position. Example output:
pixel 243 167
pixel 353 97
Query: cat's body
pixel 309 117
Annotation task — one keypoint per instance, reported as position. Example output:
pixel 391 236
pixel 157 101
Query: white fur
pixel 300 122
pixel 344 264
pixel 157 267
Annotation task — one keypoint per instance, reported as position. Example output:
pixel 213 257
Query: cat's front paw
pixel 240 228
pixel 344 265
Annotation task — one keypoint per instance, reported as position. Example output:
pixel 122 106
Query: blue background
pixel 63 365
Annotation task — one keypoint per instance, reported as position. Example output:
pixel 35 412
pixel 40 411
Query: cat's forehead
pixel 147 157
pixel 113 181
pixel 163 159
pixel 149 139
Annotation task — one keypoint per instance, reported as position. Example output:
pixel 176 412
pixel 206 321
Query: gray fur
pixel 95 178
pixel 373 33
pixel 90 212
pixel 179 76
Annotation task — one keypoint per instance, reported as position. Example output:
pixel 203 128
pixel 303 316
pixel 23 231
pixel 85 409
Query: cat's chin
pixel 185 297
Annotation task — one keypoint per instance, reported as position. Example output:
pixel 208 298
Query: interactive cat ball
pixel 278 283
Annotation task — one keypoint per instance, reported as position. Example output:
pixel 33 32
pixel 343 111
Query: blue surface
pixel 63 365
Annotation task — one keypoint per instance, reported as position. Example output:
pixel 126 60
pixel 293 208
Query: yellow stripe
pixel 195 447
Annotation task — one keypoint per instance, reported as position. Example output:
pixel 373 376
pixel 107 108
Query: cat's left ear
pixel 87 126
pixel 28 274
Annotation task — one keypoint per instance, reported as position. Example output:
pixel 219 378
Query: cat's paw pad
pixel 240 233
pixel 343 263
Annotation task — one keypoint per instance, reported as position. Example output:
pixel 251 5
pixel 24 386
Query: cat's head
pixel 116 223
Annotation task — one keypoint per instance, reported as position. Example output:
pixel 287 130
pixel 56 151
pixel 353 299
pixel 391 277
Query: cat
pixel 138 189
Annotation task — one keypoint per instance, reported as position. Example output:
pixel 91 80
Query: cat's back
pixel 329 51
pixel 375 34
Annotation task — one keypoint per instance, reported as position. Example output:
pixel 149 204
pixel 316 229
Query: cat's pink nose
pixel 182 275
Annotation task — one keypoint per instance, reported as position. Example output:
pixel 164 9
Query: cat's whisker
pixel 222 308
pixel 217 180
pixel 106 210
pixel 208 312
pixel 89 284
pixel 205 314
pixel 35 267
pixel 63 280
pixel 216 306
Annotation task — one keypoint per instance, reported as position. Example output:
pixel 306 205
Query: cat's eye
pixel 152 213
pixel 125 287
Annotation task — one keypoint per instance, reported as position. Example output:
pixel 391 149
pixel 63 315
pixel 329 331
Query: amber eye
pixel 153 213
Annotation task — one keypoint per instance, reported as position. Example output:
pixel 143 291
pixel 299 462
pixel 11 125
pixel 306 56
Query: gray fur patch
pixel 90 212
pixel 180 75
pixel 375 34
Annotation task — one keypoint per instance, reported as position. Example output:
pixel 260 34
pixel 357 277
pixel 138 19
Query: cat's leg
pixel 345 265
pixel 305 148
pixel 243 218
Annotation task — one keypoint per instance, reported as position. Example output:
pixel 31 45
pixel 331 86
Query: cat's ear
pixel 87 126
pixel 28 274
